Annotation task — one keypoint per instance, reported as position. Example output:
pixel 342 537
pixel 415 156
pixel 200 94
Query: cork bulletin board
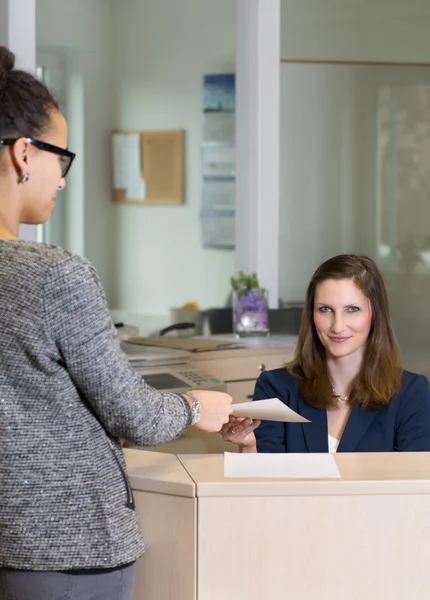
pixel 148 167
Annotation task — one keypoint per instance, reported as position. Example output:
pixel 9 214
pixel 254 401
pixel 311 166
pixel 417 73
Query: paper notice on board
pixel 127 165
pixel 218 195
pixel 281 466
pixel 218 229
pixel 219 127
pixel 136 190
pixel 271 409
pixel 219 161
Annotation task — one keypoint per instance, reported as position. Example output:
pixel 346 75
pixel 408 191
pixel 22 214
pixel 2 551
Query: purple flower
pixel 252 301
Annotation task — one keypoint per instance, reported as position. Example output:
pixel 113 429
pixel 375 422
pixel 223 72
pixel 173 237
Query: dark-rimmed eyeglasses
pixel 66 157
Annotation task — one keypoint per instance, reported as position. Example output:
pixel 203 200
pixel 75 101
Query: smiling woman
pixel 346 378
pixel 342 318
pixel 346 340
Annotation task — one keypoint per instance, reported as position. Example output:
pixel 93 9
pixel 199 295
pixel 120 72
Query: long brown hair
pixel 380 376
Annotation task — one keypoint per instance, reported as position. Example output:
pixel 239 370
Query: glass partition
pixel 355 156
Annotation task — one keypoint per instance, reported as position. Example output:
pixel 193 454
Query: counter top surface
pixel 367 473
pixel 203 475
pixel 158 472
pixel 271 344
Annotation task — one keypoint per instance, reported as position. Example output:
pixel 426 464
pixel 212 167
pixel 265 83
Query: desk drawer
pixel 241 391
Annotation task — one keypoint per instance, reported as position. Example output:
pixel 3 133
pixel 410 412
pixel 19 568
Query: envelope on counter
pixel 269 410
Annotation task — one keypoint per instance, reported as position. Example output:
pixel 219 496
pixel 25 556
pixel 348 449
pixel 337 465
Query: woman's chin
pixel 342 352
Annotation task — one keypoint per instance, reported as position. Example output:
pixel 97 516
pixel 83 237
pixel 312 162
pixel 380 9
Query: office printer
pixel 169 370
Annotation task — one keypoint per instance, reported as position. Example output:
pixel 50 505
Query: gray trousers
pixel 34 585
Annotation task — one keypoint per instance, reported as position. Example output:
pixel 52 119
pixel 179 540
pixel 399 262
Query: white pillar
pixel 258 55
pixel 18 32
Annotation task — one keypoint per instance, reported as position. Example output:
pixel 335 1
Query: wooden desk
pixel 365 536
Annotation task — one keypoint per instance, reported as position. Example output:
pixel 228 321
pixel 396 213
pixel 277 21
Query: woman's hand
pixel 215 409
pixel 240 430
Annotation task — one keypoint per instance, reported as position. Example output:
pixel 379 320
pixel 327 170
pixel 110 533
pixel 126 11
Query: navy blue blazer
pixel 403 425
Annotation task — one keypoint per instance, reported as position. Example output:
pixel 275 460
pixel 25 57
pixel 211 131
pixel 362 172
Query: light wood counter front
pixel 365 536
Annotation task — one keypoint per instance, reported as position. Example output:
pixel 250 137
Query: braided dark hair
pixel 25 102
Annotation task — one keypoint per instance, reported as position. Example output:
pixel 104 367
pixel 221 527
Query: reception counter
pixel 365 536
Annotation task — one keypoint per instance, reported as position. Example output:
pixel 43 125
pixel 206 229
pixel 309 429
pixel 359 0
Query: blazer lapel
pixel 315 432
pixel 358 423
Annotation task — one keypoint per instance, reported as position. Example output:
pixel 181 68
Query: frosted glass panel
pixel 403 208
pixel 404 176
pixel 355 177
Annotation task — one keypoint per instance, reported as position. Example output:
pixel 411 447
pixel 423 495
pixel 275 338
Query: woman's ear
pixel 20 152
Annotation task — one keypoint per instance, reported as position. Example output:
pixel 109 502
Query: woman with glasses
pixel 68 526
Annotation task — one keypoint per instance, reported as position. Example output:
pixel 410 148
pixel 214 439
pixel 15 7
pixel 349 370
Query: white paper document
pixel 136 190
pixel 219 127
pixel 281 466
pixel 127 166
pixel 218 229
pixel 219 161
pixel 219 194
pixel 270 410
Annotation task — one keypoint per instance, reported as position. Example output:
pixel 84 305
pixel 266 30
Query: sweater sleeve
pixel 79 323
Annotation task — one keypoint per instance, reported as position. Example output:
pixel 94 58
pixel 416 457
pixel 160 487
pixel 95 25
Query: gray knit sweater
pixel 66 393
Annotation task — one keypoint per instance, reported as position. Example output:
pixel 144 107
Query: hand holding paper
pixel 240 430
pixel 270 410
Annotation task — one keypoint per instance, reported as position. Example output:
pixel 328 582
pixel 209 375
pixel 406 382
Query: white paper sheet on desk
pixel 283 466
pixel 270 410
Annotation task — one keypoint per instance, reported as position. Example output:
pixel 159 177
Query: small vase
pixel 251 313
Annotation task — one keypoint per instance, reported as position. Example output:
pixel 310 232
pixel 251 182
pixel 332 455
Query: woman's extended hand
pixel 215 409
pixel 240 430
